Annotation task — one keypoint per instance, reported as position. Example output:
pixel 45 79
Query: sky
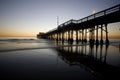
pixel 29 17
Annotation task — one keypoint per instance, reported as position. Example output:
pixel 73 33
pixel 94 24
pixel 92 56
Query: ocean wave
pixel 19 49
pixel 3 41
pixel 17 39
pixel 31 48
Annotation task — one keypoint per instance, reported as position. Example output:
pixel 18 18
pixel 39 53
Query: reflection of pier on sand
pixel 91 58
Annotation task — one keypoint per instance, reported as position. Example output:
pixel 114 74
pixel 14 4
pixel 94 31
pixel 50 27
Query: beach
pixel 41 59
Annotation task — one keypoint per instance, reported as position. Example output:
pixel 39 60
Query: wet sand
pixel 44 60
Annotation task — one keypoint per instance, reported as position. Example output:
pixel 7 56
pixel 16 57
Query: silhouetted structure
pixel 41 35
pixel 86 25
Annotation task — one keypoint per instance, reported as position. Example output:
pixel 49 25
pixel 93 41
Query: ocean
pixel 29 58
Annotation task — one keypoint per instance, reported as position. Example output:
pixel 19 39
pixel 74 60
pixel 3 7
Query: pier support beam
pixel 57 37
pixel 71 39
pixel 68 36
pixel 82 35
pixel 107 41
pixel 62 37
pixel 50 37
pixel 97 41
pixel 101 41
pixel 77 37
pixel 91 36
pixel 54 35
pixel 85 38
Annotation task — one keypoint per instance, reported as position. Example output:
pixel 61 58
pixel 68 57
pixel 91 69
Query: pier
pixel 86 27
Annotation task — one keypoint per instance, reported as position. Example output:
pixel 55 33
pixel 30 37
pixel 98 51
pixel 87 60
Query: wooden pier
pixel 84 27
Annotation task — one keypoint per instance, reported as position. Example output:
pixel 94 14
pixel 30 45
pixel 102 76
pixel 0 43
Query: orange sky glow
pixel 27 18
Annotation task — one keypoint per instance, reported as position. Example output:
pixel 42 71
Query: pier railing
pixel 90 17
pixel 93 16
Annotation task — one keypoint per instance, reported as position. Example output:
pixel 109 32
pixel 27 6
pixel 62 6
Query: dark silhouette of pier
pixel 82 27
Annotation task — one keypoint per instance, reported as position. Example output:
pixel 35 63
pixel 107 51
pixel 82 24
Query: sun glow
pixel 94 11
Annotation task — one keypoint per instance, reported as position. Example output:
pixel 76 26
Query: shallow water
pixel 42 59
